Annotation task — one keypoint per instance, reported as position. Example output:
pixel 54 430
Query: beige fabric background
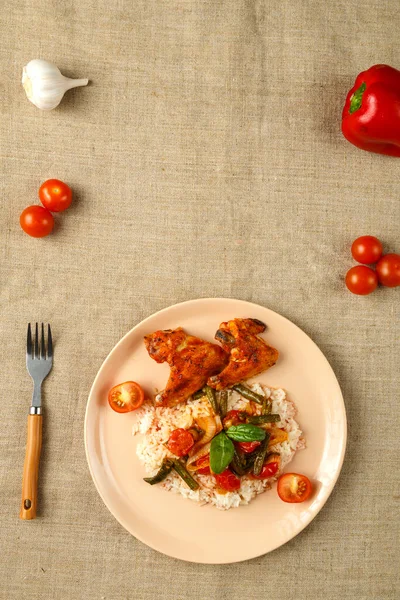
pixel 207 160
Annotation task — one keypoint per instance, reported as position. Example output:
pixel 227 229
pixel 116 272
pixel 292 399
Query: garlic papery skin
pixel 45 85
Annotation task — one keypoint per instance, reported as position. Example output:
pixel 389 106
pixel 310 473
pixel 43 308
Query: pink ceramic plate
pixel 179 527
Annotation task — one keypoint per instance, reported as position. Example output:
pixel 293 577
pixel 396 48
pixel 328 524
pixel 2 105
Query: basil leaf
pixel 221 453
pixel 246 433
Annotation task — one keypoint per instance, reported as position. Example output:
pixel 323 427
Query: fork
pixel 39 366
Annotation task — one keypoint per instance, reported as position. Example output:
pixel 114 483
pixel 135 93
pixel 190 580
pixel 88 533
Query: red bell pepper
pixel 371 114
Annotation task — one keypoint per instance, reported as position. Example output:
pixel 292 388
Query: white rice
pixel 157 424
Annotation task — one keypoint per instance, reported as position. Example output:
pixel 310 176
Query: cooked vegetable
pixel 126 397
pixel 203 465
pixel 210 393
pixel 248 447
pixel 180 442
pixel 270 467
pixel 259 419
pixel 248 394
pixel 277 436
pixel 266 407
pixel 164 470
pixel 221 453
pixel 193 461
pixel 210 426
pixel 293 487
pixel 246 433
pixel 223 403
pixel 228 481
pixel 187 478
pixel 233 417
pixel 197 395
pixel 260 456
pixel 238 463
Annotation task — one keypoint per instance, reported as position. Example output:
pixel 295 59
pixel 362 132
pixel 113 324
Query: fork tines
pixel 32 348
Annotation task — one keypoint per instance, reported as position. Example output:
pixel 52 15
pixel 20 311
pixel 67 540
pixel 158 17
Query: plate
pixel 179 527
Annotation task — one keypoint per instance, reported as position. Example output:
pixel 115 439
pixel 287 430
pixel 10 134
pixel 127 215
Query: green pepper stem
pixel 356 99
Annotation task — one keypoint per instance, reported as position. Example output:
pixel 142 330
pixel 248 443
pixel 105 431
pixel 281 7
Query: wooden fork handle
pixel 31 467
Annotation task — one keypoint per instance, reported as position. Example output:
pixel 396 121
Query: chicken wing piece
pixel 191 359
pixel 249 354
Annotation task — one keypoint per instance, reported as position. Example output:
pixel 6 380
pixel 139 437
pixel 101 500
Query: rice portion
pixel 157 423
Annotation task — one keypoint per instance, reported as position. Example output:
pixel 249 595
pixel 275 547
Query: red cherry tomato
pixel 36 221
pixel 293 487
pixel 248 447
pixel 366 249
pixel 232 418
pixel 180 442
pixel 204 460
pixel 126 397
pixel 228 481
pixel 55 195
pixel 361 280
pixel 388 269
pixel 268 470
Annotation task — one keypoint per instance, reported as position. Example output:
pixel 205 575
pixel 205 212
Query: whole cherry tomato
pixel 228 481
pixel 361 280
pixel 55 195
pixel 366 249
pixel 248 447
pixel 180 442
pixel 36 221
pixel 388 269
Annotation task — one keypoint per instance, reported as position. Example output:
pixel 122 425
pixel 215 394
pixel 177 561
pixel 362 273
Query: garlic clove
pixel 45 85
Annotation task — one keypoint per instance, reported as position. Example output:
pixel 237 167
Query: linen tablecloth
pixel 206 160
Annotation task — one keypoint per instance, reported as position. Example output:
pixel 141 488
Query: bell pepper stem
pixel 356 99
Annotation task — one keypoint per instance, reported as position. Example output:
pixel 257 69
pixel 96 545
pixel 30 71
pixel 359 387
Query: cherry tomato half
pixel 293 487
pixel 228 481
pixel 232 418
pixel 126 397
pixel 366 249
pixel 180 442
pixel 55 195
pixel 269 470
pixel 388 269
pixel 361 280
pixel 205 462
pixel 36 221
pixel 248 447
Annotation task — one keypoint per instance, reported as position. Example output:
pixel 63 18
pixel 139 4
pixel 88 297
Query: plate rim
pixel 194 301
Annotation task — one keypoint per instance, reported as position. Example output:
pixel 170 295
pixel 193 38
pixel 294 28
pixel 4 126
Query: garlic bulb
pixel 44 84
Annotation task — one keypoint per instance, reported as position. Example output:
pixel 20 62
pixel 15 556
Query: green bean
pixel 260 456
pixel 197 395
pixel 164 470
pixel 187 478
pixel 223 403
pixel 259 419
pixel 248 394
pixel 210 393
pixel 266 407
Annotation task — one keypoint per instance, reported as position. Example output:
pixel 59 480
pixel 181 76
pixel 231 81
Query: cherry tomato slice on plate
pixel 361 280
pixel 180 442
pixel 126 397
pixel 248 447
pixel 388 269
pixel 366 249
pixel 293 487
pixel 55 195
pixel 36 221
pixel 228 481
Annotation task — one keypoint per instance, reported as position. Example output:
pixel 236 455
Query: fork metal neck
pixel 35 410
pixel 37 394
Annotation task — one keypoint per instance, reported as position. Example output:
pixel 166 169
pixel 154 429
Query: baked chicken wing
pixel 191 359
pixel 248 353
